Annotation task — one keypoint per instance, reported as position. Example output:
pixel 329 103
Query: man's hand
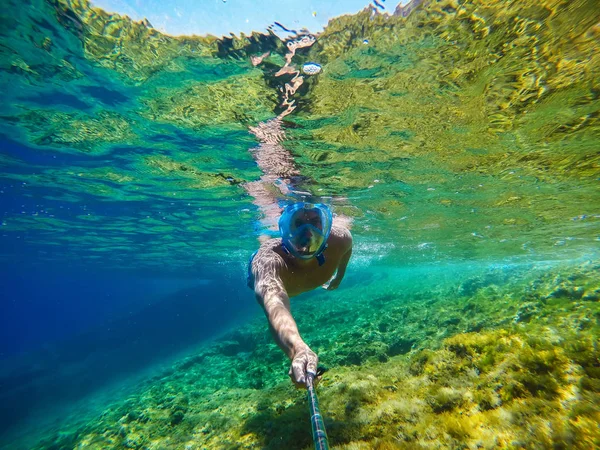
pixel 304 360
pixel 332 284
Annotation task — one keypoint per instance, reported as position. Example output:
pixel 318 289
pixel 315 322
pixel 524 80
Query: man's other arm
pixel 341 270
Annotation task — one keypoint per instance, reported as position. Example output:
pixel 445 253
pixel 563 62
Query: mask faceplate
pixel 305 228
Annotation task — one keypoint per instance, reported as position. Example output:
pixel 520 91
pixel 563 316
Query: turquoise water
pixel 457 140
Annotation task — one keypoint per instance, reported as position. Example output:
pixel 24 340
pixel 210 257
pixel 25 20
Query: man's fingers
pixel 293 378
pixel 299 371
pixel 313 362
pixel 305 361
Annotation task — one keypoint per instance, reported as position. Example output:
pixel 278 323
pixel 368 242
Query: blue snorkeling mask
pixel 305 228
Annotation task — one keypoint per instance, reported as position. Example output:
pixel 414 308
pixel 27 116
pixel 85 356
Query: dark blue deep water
pixel 67 331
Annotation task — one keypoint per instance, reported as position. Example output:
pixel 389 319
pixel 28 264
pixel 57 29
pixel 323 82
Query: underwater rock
pixel 568 291
pixel 469 287
pixel 230 348
pixel 442 399
pixel 237 342
pixel 450 321
pixel 360 352
pixel 135 416
pixel 591 295
pixel 176 417
pixel 190 362
pixel 352 408
pixel 400 347
pixel 383 326
pixel 353 358
pixel 526 312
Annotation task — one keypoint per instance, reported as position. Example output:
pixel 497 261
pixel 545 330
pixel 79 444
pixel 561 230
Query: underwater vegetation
pixel 515 363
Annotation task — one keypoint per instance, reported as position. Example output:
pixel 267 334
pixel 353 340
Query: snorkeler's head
pixel 304 229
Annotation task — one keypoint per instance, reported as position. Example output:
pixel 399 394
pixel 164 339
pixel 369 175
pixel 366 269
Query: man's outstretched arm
pixel 272 296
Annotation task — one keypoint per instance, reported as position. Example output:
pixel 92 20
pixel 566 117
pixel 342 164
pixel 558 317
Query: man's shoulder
pixel 268 256
pixel 270 245
pixel 341 235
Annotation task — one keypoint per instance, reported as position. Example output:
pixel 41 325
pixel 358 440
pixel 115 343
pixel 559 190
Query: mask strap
pixel 320 257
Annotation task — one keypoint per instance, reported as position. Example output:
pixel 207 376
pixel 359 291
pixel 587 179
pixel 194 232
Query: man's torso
pixel 302 276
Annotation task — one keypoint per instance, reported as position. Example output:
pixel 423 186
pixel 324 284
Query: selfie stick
pixel 316 420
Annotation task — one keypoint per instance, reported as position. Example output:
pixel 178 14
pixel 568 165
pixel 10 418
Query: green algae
pixel 510 384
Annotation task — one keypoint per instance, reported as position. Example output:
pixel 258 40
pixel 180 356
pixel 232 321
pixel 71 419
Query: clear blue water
pixel 459 141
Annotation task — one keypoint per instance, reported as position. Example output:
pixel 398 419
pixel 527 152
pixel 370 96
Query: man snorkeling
pixel 313 251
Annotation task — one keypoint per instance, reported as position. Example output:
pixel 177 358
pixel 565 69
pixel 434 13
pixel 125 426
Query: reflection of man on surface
pixel 311 250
